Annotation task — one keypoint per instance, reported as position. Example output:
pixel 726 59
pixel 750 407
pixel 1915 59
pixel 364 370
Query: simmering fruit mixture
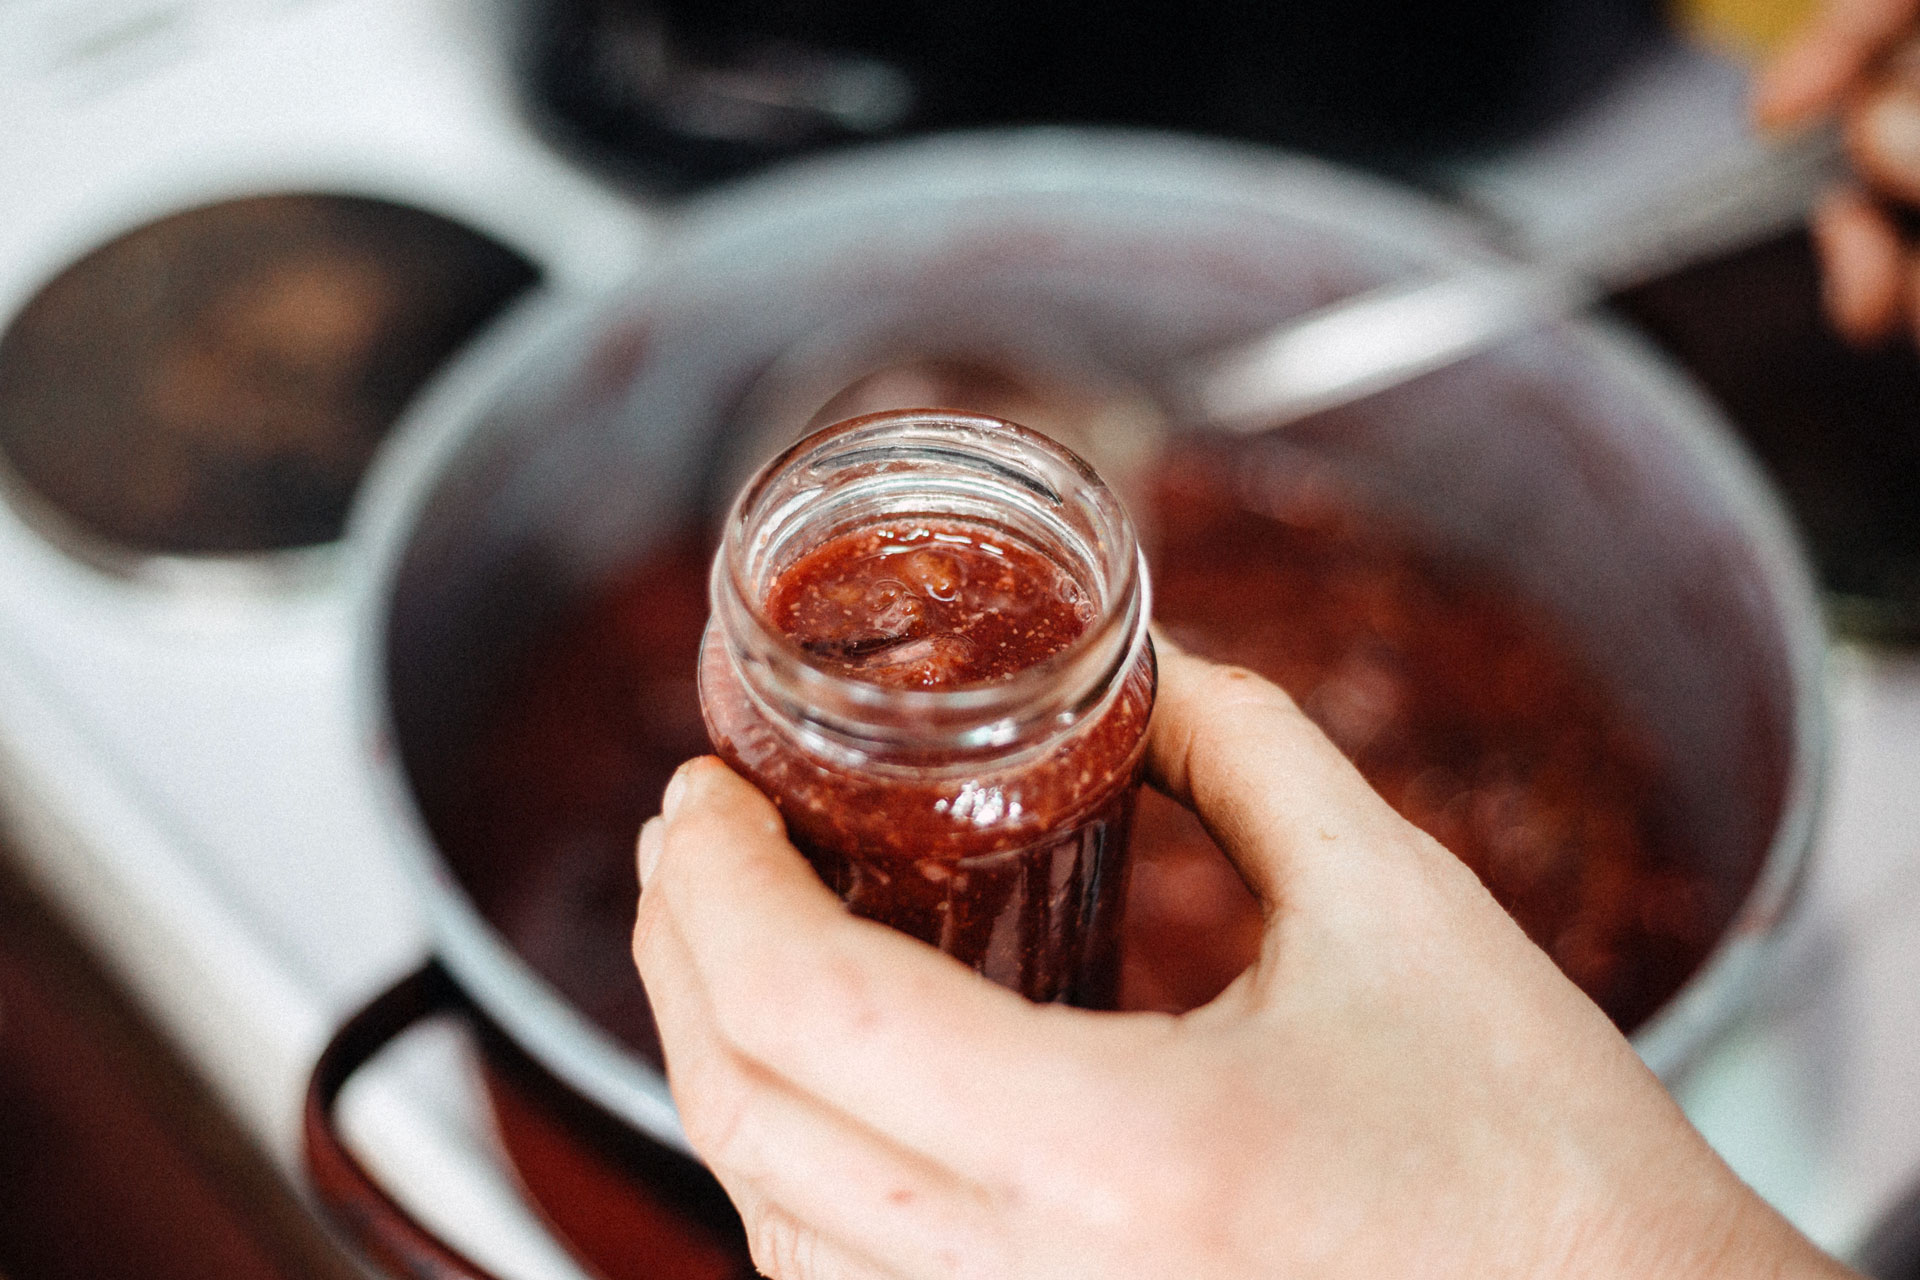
pixel 1469 709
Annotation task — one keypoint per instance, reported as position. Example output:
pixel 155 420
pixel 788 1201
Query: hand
pixel 1401 1085
pixel 1862 59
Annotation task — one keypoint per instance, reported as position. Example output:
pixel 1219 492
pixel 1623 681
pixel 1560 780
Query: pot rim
pixel 1000 165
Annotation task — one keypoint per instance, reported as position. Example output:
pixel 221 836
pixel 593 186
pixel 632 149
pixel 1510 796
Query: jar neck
pixel 929 465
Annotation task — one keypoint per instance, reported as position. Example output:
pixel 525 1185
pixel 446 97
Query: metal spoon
pixel 1386 336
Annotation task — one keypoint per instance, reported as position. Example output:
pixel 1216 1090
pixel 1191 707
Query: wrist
pixel 1762 1245
pixel 1733 1235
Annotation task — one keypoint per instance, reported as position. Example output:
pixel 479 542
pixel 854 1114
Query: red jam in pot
pixel 950 715
pixel 1469 708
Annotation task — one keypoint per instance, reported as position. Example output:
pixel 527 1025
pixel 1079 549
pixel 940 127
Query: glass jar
pixel 966 776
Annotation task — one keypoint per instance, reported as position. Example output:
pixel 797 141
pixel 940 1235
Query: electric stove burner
pixel 216 381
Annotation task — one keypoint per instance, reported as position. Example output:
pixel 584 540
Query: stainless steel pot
pixel 1574 461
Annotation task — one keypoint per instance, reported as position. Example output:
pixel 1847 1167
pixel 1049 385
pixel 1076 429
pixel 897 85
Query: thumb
pixel 1288 808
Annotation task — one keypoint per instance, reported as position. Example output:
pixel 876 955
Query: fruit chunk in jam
pixel 1012 864
pixel 928 605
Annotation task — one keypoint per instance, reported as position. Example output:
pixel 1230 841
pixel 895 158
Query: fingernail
pixel 650 842
pixel 676 792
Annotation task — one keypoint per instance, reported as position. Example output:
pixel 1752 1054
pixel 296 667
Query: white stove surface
pixel 179 764
pixel 180 767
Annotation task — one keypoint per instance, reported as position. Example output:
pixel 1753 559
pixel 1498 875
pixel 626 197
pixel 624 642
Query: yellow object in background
pixel 1746 29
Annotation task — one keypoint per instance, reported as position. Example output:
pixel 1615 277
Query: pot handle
pixel 372 1221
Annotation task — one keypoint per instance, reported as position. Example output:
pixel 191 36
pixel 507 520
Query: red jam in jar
pixel 928 605
pixel 929 647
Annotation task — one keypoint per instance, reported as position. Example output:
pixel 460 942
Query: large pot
pixel 1573 462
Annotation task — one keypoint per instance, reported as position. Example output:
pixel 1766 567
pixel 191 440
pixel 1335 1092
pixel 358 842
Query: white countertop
pixel 180 770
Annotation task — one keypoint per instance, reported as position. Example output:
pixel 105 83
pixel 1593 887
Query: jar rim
pixel 986 715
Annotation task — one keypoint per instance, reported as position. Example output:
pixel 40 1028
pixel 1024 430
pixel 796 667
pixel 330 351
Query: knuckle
pixel 784 1248
pixel 1240 683
pixel 815 994
pixel 648 925
pixel 1238 701
pixel 693 835
pixel 1187 1190
pixel 848 988
pixel 716 1113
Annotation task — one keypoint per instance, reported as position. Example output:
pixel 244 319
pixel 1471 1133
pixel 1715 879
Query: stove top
pixel 175 746
pixel 177 754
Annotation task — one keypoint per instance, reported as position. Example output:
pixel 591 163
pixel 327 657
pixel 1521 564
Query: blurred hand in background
pixel 1860 59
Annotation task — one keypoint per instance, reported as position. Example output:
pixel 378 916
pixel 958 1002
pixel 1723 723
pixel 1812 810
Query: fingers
pixel 786 1248
pixel 1278 797
pixel 859 1194
pixel 821 1195
pixel 1864 269
pixel 1815 72
pixel 1806 80
pixel 864 1021
pixel 1883 137
pixel 1865 55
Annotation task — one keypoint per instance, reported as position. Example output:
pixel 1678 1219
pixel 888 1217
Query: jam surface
pixel 217 381
pixel 928 605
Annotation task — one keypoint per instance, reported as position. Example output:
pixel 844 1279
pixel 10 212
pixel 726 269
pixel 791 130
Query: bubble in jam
pixel 928 604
